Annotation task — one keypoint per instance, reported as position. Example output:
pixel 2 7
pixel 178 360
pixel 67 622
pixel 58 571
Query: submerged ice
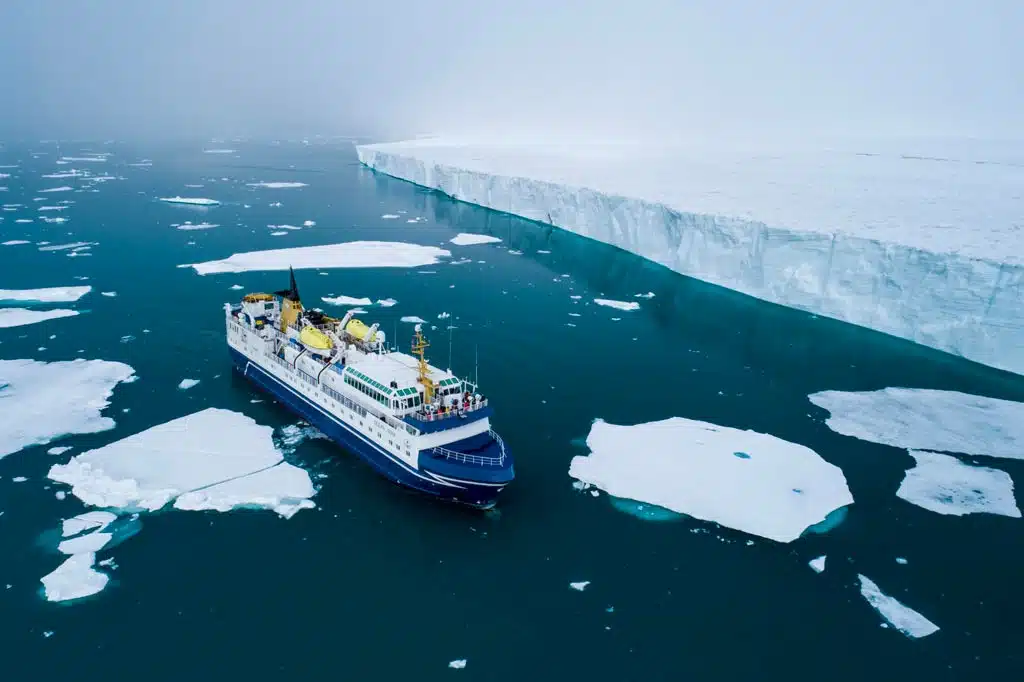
pixel 748 481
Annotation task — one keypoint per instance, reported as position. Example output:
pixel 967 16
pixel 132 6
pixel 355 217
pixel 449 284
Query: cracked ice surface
pixel 923 244
pixel 189 462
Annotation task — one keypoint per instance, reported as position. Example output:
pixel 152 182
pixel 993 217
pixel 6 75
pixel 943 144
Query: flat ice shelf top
pixel 949 197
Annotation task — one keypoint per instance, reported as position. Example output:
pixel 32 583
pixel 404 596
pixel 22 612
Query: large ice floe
pixel 748 481
pixel 191 463
pixel 945 485
pixel 469 239
pixel 278 185
pixel 924 244
pixel 926 419
pixel 18 317
pixel 74 579
pixel 48 295
pixel 903 618
pixel 42 401
pixel 362 254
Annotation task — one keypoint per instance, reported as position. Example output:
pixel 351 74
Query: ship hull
pixel 476 494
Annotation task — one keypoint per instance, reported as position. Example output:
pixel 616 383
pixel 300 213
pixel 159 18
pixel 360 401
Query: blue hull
pixel 478 494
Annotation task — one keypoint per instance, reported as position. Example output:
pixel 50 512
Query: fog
pixel 397 68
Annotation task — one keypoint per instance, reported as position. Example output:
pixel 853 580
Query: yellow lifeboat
pixel 312 337
pixel 359 331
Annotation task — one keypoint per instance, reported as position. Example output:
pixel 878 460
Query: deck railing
pixel 467 458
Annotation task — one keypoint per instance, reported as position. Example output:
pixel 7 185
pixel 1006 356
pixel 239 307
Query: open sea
pixel 377 583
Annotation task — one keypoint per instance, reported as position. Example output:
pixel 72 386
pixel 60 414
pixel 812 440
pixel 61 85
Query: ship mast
pixel 419 345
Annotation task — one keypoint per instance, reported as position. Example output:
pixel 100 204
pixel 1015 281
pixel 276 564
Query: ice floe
pixel 46 400
pixel 219 151
pixel 190 462
pixel 580 586
pixel 279 233
pixel 53 208
pixel 91 542
pixel 413 319
pixel 749 481
pixel 64 188
pixel 457 664
pixel 346 300
pixel 309 223
pixel 65 247
pixel 284 227
pixel 48 295
pixel 390 216
pixel 59 450
pixel 903 618
pixel 386 302
pixel 16 242
pixel 188 225
pixel 926 419
pixel 17 317
pixel 192 201
pixel 618 305
pixel 278 185
pixel 84 159
pixel 186 384
pixel 65 174
pixel 108 294
pixel 74 579
pixel 468 239
pixel 361 254
pixel 945 485
pixel 817 565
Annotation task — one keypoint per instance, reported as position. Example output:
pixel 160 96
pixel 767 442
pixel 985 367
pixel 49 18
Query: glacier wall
pixel 971 307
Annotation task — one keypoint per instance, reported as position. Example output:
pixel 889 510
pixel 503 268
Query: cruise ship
pixel 418 425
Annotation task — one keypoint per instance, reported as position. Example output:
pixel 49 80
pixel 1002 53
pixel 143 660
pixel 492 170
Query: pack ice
pixel 191 462
pixel 749 481
pixel 921 244
pixel 42 401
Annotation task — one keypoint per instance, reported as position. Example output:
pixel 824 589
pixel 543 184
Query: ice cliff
pixel 929 248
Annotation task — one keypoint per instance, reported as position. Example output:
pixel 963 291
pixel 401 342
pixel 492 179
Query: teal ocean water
pixel 379 583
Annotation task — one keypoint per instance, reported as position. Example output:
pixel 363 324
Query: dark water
pixel 377 583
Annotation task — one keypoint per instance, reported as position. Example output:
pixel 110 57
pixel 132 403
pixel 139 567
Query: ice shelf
pixel 923 244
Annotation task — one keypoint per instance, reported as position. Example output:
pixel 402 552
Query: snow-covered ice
pixel 48 295
pixel 17 317
pixel 346 300
pixel 468 239
pixel 186 384
pixel 919 242
pixel 192 201
pixel 618 305
pixel 190 462
pixel 903 618
pixel 817 565
pixel 361 254
pixel 46 400
pixel 278 185
pixel 74 579
pixel 749 481
pixel 926 419
pixel 91 520
pixel 945 485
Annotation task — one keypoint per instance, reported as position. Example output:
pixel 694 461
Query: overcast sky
pixel 394 68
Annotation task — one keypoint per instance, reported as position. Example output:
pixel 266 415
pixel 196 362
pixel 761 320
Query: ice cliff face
pixel 964 298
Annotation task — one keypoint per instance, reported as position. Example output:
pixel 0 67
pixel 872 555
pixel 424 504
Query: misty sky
pixel 394 68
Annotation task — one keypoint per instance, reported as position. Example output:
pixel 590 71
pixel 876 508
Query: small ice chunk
pixel 237 287
pixel 309 223
pixel 186 384
pixel 390 216
pixel 90 542
pixel 278 233
pixel 945 485
pixel 580 586
pixel 926 419
pixel 386 302
pixel 60 494
pixel 71 394
pixel 189 226
pixel 19 479
pixel 817 565
pixel 284 227
pixel 691 467
pixel 458 664
pixel 218 151
pixel 361 254
pixel 108 294
pixel 901 561
pixel 65 247
pixel 74 579
pixel 48 295
pixel 59 450
pixel 16 242
pixel 649 294
pixel 618 305
pixel 193 201
pixel 469 239
pixel 63 188
pixel 904 619
pixel 346 300
pixel 413 319
pixel 92 520
pixel 277 185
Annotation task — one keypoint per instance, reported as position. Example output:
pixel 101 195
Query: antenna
pixel 450 327
pixel 476 367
